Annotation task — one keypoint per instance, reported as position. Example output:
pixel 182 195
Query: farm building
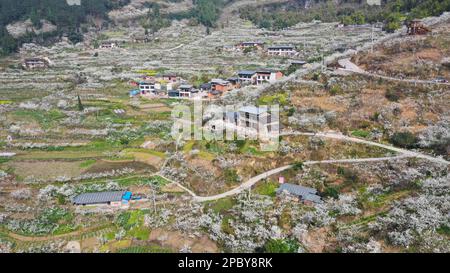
pixel 256 118
pixel 247 76
pixel 235 82
pixel 220 85
pixel 205 86
pixel 169 78
pixel 112 198
pixel 34 63
pixel 147 87
pixel 244 45
pixel 134 92
pixel 108 45
pixel 304 194
pixel 187 91
pixel 281 50
pixel 174 94
pixel 267 76
pixel 416 27
pixel 140 38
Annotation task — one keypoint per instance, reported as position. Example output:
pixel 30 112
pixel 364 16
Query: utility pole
pixel 371 50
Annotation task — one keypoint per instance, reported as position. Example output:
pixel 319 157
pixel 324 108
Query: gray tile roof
pixel 281 46
pixel 305 193
pixel 246 72
pixel 98 197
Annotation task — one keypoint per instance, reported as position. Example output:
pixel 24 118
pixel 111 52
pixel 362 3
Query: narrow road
pixel 371 143
pixel 351 67
pixel 228 10
pixel 248 184
pixel 252 181
pixel 175 48
pixel 25 238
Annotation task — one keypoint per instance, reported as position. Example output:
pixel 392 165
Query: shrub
pixel 393 95
pixel 404 140
pixel 335 89
pixel 281 246
pixel 349 175
pixel 297 166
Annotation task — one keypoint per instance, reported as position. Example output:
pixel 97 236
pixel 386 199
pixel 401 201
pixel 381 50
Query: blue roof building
pixel 303 193
pixel 97 198
pixel 134 92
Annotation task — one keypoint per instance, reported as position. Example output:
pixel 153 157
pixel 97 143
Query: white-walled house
pixel 281 50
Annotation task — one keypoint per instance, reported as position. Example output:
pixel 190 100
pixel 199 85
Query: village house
pixel 247 76
pixel 187 91
pixel 173 94
pixel 298 63
pixel 220 85
pixel 235 82
pixel 169 78
pixel 111 198
pixel 227 48
pixel 267 76
pixel 147 87
pixel 245 45
pixel 134 92
pixel 108 45
pixel 36 63
pixel 281 50
pixel 416 27
pixel 256 119
pixel 302 194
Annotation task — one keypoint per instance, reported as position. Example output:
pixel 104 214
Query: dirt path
pixel 248 184
pixel 175 48
pixel 252 181
pixel 351 67
pixel 372 143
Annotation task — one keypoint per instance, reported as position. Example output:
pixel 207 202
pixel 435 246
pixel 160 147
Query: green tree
pixel 80 105
pixel 404 140
pixel 359 18
pixel 393 22
pixel 281 246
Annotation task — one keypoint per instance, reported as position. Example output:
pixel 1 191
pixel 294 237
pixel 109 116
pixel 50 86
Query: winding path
pixel 252 181
pixel 351 67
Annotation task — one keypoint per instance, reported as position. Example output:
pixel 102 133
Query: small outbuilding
pixel 304 194
pixel 112 198
pixel 35 63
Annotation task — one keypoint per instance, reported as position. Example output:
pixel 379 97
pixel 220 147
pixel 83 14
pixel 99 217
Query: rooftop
pixel 308 194
pixel 281 46
pixel 266 71
pixel 219 81
pixel 256 43
pixel 98 197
